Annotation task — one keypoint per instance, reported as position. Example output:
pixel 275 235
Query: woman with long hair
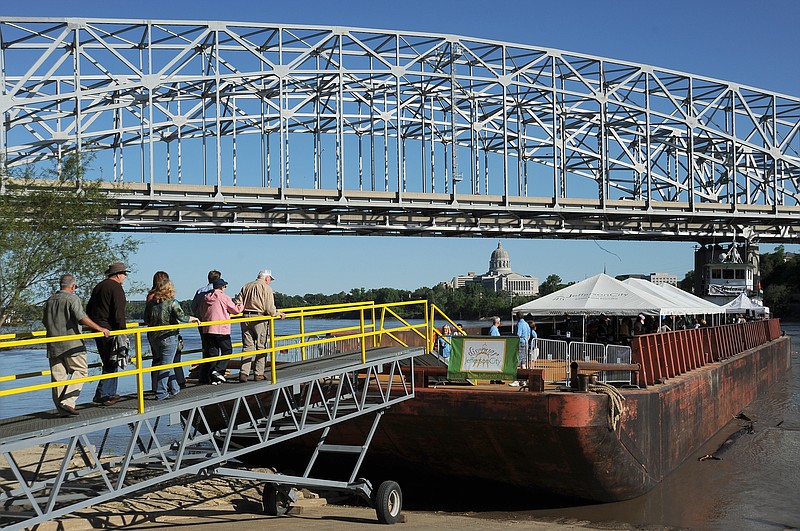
pixel 162 309
pixel 158 278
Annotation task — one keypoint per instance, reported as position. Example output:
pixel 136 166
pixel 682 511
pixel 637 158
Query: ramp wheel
pixel 388 502
pixel 276 503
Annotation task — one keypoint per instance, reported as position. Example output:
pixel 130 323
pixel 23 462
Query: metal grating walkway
pixel 111 451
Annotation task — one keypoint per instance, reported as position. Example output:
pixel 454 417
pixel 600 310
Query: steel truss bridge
pixel 265 128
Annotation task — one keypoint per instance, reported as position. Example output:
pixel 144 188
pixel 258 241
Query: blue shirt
pixel 523 331
pixel 199 298
pixel 444 348
pixel 493 331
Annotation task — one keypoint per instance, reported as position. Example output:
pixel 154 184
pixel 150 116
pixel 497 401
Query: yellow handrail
pixel 367 328
pixel 433 330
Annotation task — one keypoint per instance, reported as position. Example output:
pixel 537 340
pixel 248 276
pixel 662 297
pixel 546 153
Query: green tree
pixel 687 284
pixel 780 281
pixel 48 227
pixel 771 261
pixel 778 297
pixel 551 283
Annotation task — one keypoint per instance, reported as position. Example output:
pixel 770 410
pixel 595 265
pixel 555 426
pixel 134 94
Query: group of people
pixel 526 330
pixel 443 342
pixel 105 312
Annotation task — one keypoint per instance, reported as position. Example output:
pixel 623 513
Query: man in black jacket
pixel 106 307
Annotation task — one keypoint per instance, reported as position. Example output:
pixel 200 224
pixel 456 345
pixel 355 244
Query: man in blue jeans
pixel 106 307
pixel 524 333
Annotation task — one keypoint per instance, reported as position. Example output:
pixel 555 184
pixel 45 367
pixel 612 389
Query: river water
pixel 753 486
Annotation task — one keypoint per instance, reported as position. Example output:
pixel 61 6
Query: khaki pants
pixel 255 336
pixel 61 368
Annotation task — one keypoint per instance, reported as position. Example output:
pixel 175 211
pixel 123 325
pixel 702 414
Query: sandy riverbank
pixel 214 504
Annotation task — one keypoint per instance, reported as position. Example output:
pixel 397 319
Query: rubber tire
pixel 388 502
pixel 275 503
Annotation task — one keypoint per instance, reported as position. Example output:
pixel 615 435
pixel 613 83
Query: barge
pixel 557 439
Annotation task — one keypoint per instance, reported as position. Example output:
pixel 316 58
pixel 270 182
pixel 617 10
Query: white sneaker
pixel 514 384
pixel 218 377
pixel 215 382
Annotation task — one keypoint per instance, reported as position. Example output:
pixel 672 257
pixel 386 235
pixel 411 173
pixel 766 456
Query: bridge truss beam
pixel 468 124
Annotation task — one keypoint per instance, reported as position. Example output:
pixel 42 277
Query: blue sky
pixel 754 43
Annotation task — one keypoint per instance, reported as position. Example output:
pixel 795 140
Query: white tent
pixel 743 304
pixel 679 302
pixel 670 304
pixel 593 296
pixel 707 307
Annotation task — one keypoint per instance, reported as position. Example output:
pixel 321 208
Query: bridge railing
pixel 669 354
pixel 375 323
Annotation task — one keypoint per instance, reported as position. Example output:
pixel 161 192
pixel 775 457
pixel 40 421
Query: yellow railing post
pixel 375 340
pixel 139 373
pixel 363 339
pixel 302 336
pixel 273 370
pixel 383 317
pixel 430 316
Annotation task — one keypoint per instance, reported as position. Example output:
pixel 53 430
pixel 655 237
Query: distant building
pixel 462 280
pixel 632 275
pixel 655 278
pixel 663 278
pixel 500 277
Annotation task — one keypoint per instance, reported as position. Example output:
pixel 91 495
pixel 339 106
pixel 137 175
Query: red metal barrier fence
pixel 668 354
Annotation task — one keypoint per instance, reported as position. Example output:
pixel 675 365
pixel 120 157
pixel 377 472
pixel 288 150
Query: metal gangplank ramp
pixel 197 433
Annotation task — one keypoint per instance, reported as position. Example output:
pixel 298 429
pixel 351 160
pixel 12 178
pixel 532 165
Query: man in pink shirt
pixel 218 307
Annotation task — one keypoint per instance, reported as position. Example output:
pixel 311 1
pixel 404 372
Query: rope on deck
pixel 615 399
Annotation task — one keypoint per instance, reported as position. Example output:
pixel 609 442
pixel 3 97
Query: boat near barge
pixel 586 441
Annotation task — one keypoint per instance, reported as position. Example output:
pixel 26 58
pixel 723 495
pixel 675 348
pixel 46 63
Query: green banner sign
pixel 483 358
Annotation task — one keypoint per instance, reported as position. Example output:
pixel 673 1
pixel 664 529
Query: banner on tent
pixel 483 358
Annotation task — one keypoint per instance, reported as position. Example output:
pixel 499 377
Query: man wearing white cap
pixel 258 300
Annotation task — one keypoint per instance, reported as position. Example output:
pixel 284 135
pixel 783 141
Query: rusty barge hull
pixel 557 441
